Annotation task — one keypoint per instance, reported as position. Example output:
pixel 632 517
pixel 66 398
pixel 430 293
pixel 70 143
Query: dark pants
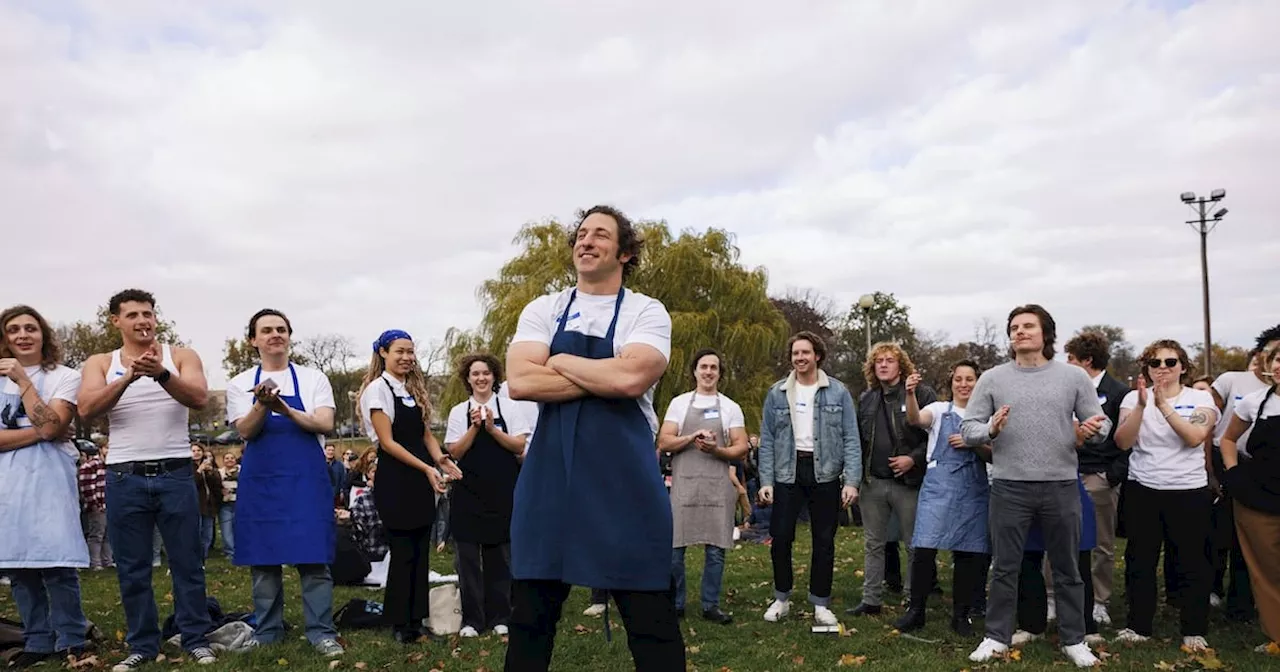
pixel 1179 520
pixel 967 582
pixel 1230 572
pixel 599 596
pixel 136 506
pixel 1033 594
pixel 653 631
pixel 484 578
pixel 1015 505
pixel 408 578
pixel 892 566
pixel 822 500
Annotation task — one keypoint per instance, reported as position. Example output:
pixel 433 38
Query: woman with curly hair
pixel 1164 424
pixel 485 441
pixel 41 544
pixel 397 416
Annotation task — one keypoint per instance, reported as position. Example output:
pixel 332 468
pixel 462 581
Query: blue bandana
pixel 390 336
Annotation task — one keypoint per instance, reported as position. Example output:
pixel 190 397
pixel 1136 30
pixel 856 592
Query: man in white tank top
pixel 146 390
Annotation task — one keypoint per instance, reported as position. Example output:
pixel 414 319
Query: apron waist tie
pixel 608 634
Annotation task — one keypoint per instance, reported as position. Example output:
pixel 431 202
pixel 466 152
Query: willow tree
pixel 713 300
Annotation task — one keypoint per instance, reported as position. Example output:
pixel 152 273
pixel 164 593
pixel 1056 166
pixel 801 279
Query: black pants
pixel 1178 519
pixel 484 579
pixel 1033 595
pixel 408 578
pixel 892 565
pixel 967 582
pixel 823 503
pixel 599 596
pixel 653 631
pixel 1230 572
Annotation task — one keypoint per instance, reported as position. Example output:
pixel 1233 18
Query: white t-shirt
pixel 731 416
pixel 802 417
pixel 641 319
pixel 937 409
pixel 1247 408
pixel 1233 387
pixel 1161 459
pixel 61 383
pixel 377 396
pixel 315 390
pixel 517 425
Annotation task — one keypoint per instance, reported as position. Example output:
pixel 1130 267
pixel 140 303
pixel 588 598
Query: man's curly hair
pixel 629 239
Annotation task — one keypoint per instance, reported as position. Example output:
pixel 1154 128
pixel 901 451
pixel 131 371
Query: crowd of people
pixel 1025 473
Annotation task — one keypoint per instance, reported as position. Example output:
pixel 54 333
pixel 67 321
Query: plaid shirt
pixel 93 485
pixel 366 528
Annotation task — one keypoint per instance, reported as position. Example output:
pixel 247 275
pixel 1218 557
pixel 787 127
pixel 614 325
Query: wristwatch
pixel 162 377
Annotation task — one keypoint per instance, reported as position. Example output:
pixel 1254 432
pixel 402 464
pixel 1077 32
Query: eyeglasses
pixel 1169 362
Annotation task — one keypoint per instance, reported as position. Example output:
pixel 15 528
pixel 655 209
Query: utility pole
pixel 1204 224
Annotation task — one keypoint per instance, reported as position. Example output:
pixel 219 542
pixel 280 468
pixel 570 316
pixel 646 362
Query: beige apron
pixel 702 498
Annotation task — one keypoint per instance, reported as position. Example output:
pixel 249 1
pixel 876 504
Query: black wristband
pixel 162 377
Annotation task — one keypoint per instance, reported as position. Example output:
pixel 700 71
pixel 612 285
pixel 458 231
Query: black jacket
pixel 1106 457
pixel 915 440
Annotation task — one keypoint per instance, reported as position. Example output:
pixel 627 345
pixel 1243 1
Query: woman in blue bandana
pixel 397 416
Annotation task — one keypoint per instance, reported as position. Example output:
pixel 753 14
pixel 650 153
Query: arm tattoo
pixel 42 415
pixel 1199 417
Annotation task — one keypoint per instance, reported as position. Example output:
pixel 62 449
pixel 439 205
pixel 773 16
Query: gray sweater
pixel 1039 441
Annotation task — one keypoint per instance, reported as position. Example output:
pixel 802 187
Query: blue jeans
pixel 226 525
pixel 317 602
pixel 206 535
pixel 712 575
pixel 136 505
pixel 49 604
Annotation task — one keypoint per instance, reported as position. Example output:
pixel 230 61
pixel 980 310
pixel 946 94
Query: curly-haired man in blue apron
pixel 590 505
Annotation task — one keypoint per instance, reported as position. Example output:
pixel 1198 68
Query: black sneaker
pixel 865 609
pixel 29 659
pixel 679 612
pixel 716 616
pixel 133 662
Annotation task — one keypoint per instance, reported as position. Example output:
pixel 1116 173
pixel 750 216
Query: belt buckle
pixel 152 469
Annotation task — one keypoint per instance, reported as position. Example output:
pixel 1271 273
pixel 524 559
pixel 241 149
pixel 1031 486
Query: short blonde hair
pixel 905 366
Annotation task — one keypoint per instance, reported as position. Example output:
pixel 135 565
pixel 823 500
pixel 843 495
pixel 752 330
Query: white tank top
pixel 147 423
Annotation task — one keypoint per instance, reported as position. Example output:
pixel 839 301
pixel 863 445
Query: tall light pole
pixel 866 302
pixel 1204 224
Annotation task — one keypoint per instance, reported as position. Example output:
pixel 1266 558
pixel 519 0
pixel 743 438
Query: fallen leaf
pixel 417 657
pixel 87 661
pixel 798 660
pixel 1015 654
pixel 725 669
pixel 1165 666
pixel 580 628
pixel 484 653
pixel 1272 648
pixel 119 635
pixel 1210 662
pixel 850 660
pixel 694 650
pixel 858 573
pixel 693 633
pixel 362 665
pixel 282 662
pixel 333 664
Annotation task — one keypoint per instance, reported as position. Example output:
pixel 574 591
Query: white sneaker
pixel 468 632
pixel 823 616
pixel 1100 615
pixel 1195 644
pixel 1214 600
pixel 1130 636
pixel 500 630
pixel 779 610
pixel 594 610
pixel 988 649
pixel 1081 655
pixel 1053 612
pixel 1021 637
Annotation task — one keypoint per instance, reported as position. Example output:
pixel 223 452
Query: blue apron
pixel 1088 525
pixel 952 510
pixel 284 502
pixel 39 497
pixel 590 505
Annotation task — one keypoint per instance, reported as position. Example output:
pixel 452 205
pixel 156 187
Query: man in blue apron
pixel 284 497
pixel 590 505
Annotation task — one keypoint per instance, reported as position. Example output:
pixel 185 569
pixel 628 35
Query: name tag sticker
pixel 711 414
pixel 802 407
pixel 1102 398
pixel 904 407
pixel 409 401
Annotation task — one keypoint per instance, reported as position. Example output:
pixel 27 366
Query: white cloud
pixel 365 168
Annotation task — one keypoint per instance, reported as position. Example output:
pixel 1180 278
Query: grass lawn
pixel 748 644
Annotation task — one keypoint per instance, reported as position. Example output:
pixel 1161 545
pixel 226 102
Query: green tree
pixel 1224 358
pixel 82 339
pixel 239 356
pixel 805 311
pixel 713 301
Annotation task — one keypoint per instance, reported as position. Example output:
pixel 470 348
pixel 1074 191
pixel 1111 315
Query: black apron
pixel 1256 484
pixel 480 504
pixel 404 497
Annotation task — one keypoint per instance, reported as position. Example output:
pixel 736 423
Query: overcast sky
pixel 365 165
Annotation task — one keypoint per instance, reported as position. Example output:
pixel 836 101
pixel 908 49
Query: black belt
pixel 804 454
pixel 150 467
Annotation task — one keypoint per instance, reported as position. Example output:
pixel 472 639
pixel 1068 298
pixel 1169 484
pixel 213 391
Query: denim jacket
pixel 836 449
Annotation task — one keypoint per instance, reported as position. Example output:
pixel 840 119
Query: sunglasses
pixel 1169 362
